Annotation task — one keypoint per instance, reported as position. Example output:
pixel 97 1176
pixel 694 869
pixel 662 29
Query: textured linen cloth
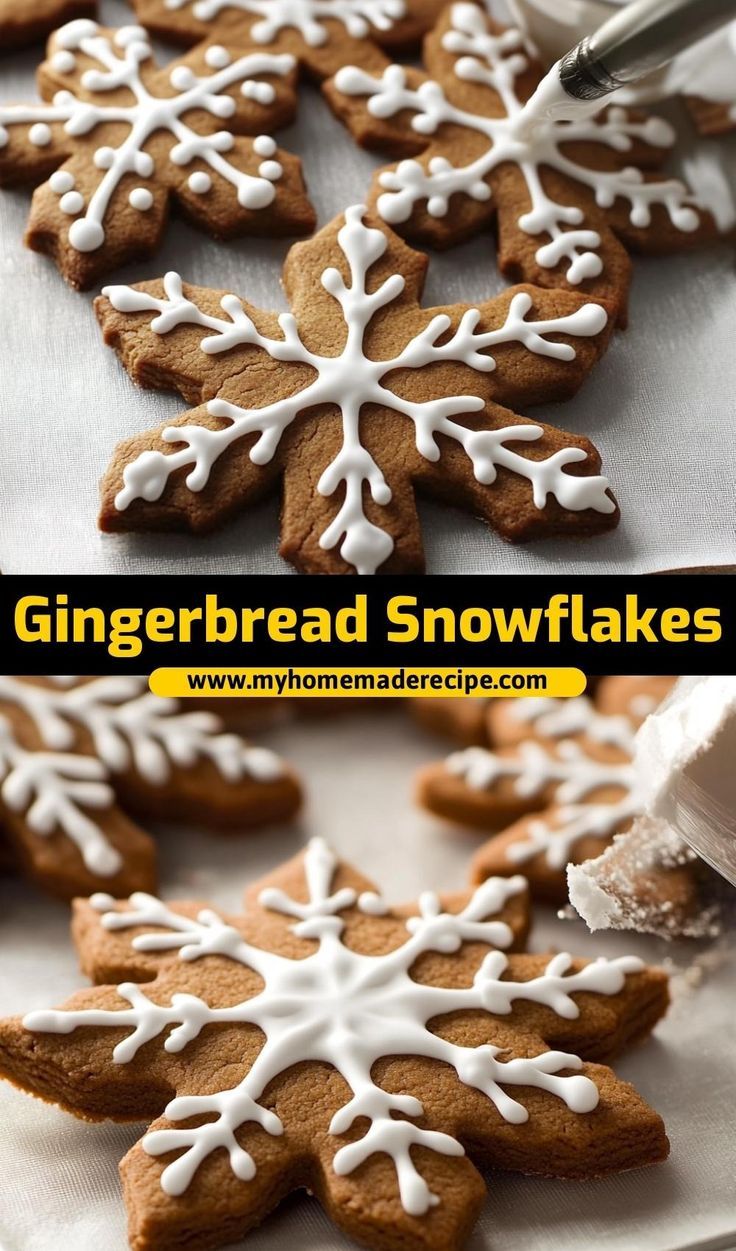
pixel 659 407
pixel 60 1185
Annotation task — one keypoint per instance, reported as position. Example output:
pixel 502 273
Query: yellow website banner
pixel 390 682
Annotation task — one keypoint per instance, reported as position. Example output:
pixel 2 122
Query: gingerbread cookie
pixel 321 34
pixel 570 200
pixel 560 782
pixel 77 754
pixel 357 1051
pixel 464 719
pixel 713 117
pixel 24 22
pixel 119 140
pixel 356 400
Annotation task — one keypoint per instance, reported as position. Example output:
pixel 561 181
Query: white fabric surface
pixel 659 407
pixel 59 1176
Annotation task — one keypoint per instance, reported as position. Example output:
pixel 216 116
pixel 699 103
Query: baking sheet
pixel 59 1176
pixel 660 406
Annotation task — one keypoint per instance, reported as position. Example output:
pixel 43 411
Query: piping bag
pixel 639 39
pixel 673 872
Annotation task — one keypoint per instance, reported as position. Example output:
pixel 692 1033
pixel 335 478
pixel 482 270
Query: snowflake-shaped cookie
pixel 118 139
pixel 334 1044
pixel 559 780
pixel 322 35
pixel 569 198
pixel 77 753
pixel 356 399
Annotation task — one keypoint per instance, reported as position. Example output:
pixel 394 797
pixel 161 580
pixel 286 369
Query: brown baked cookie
pixel 463 719
pixel 357 400
pixel 357 1050
pixel 78 754
pixel 24 22
pixel 321 34
pixel 559 783
pixel 119 141
pixel 713 117
pixel 570 201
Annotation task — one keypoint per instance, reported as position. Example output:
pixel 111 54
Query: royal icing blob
pixel 568 766
pixel 120 60
pixel 351 380
pixel 341 1007
pixel 496 62
pixel 130 729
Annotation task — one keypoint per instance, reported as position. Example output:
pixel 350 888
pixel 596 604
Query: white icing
pixel 63 62
pixel 72 202
pixel 217 57
pixel 199 182
pixel 140 198
pixel 61 181
pixel 132 728
pixel 308 17
pixel 495 62
pixel 560 718
pixel 346 1009
pixel 129 728
pixel 351 380
pixel 119 62
pixel 264 145
pixel 567 767
pixel 706 69
pixel 40 135
pixel 53 792
pixel 575 776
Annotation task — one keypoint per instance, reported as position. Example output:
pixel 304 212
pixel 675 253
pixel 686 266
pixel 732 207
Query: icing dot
pixel 86 236
pixel 270 170
pixel 217 57
pixel 144 164
pixel 140 198
pixel 199 182
pixel 40 135
pixel 60 181
pixel 72 202
pixel 3 136
pixel 63 62
pixel 261 93
pixel 264 145
pixel 104 157
pixel 182 77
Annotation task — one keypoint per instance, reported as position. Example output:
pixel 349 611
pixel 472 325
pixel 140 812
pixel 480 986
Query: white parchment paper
pixel 60 1184
pixel 660 406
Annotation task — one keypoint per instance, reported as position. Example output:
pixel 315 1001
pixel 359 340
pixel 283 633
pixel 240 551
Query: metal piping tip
pixel 582 76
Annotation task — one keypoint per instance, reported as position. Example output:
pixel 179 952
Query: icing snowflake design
pixel 308 17
pixel 571 770
pixel 55 789
pixel 346 1009
pixel 118 63
pixel 352 380
pixel 496 62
